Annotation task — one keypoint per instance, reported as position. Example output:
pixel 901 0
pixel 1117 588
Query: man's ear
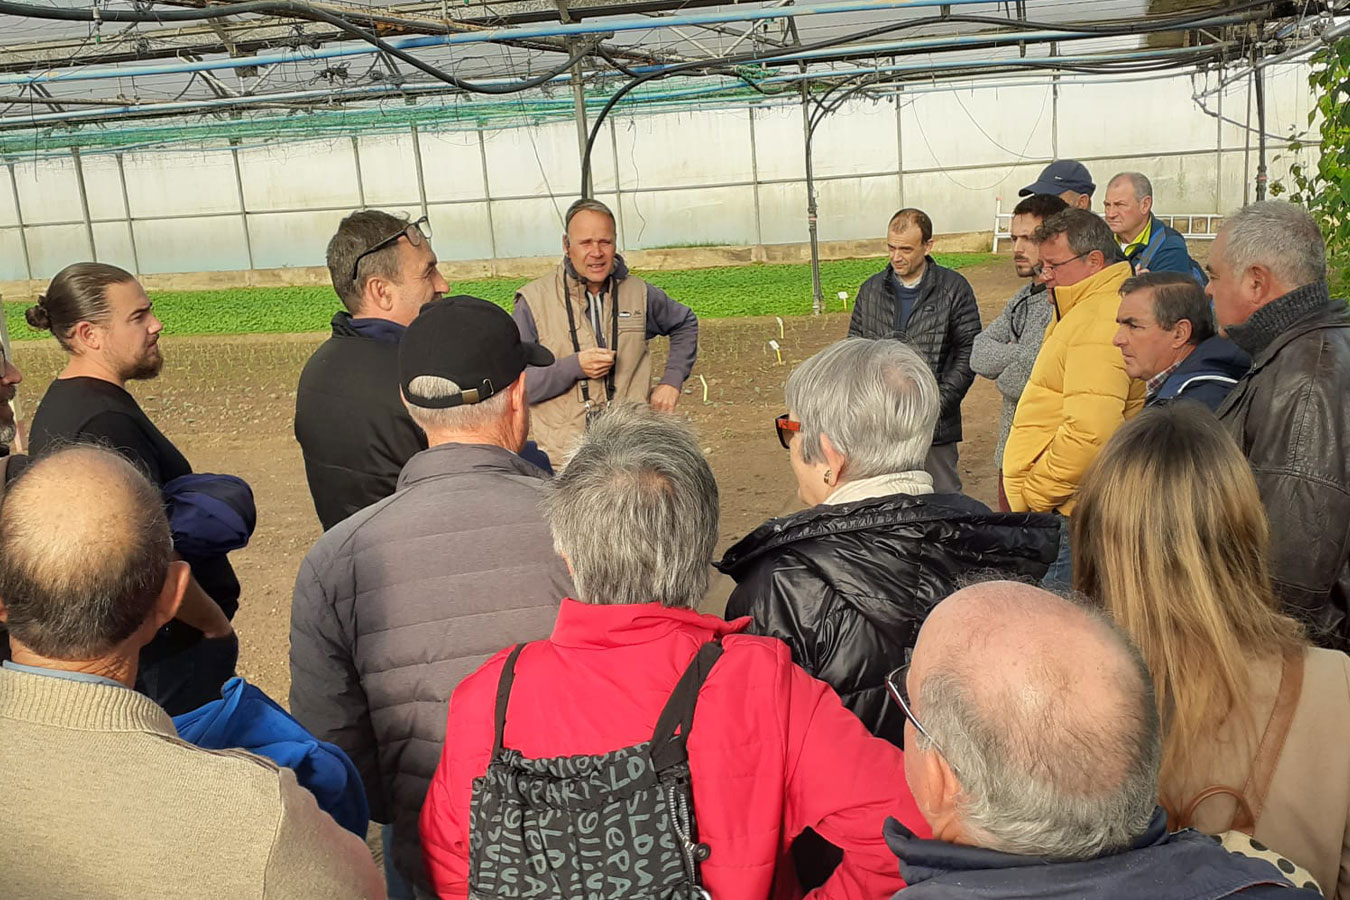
pixel 1262 281
pixel 1147 205
pixel 833 458
pixel 377 295
pixel 567 245
pixel 86 336
pixel 1181 333
pixel 516 392
pixel 171 595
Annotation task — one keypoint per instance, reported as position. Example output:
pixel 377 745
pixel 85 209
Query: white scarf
pixel 917 482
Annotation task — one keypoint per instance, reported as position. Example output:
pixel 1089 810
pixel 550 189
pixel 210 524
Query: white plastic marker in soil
pixel 705 389
pixel 780 327
pixel 777 352
pixel 843 299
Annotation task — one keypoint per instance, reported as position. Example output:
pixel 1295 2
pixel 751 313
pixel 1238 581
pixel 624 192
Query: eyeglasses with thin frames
pixel 786 429
pixel 417 233
pixel 897 686
pixel 1049 267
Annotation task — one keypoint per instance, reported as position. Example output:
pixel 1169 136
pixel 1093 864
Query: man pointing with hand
pixel 596 318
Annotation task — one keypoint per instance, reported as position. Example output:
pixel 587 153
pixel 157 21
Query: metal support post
pixel 126 208
pixel 618 186
pixel 18 215
pixel 817 294
pixel 360 182
pixel 1054 106
pixel 1261 174
pixel 243 207
pixel 583 133
pixel 754 179
pixel 1218 153
pixel 417 161
pixel 899 145
pixel 487 195
pixel 84 203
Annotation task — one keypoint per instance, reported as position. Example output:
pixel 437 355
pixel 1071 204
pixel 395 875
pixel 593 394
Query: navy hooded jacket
pixel 1206 375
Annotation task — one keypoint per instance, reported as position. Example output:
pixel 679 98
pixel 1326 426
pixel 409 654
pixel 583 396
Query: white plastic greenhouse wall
pixel 701 177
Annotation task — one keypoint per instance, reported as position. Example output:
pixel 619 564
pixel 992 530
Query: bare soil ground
pixel 228 403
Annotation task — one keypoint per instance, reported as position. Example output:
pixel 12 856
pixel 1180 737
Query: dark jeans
pixel 191 677
pixel 1059 577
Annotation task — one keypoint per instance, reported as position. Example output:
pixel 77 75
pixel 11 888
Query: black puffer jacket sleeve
pixel 828 632
pixel 955 376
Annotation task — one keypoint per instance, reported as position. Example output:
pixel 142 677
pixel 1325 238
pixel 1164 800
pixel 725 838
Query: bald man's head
pixel 1046 713
pixel 84 553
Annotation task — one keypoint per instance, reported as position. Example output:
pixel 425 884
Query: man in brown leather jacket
pixel 1291 412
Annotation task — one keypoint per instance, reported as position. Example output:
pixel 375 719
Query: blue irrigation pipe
pixel 357 92
pixel 598 26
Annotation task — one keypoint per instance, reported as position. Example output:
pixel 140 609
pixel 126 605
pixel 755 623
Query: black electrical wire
pixel 294 8
pixel 1169 23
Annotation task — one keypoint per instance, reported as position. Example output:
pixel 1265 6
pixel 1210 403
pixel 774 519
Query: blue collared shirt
pixel 87 677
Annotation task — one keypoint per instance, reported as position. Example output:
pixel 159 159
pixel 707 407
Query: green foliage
pixel 753 290
pixel 1325 189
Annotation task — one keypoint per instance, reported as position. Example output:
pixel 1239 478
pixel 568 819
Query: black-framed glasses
pixel 1048 268
pixel 896 684
pixel 786 429
pixel 417 233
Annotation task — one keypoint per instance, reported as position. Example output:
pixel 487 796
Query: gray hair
pixel 1280 236
pixel 586 204
pixel 1032 770
pixel 1086 231
pixel 876 400
pixel 1138 180
pixel 468 417
pixel 635 511
pixel 1176 296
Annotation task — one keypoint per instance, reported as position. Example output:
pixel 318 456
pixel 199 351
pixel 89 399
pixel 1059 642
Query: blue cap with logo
pixel 1060 176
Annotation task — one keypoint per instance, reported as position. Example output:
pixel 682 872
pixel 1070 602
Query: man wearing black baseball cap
pixel 1067 179
pixel 396 604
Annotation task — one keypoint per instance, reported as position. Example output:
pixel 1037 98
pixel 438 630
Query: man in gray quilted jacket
pixel 933 309
pixel 396 604
pixel 1006 350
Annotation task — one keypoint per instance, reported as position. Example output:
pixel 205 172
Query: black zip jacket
pixel 847 587
pixel 353 429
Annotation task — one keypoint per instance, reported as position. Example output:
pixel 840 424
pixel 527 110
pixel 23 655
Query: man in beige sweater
pixel 102 798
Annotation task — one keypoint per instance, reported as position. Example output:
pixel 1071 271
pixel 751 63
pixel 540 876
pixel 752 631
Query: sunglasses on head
pixel 417 233
pixel 786 429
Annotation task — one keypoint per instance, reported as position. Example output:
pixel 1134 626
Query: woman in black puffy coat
pixel 847 582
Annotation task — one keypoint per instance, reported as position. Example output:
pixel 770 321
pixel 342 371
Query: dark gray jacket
pixel 942 328
pixel 398 603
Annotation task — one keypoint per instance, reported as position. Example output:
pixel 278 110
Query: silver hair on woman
pixel 877 400
pixel 1280 236
pixel 635 511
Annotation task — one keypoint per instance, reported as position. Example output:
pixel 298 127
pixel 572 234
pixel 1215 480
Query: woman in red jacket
pixel 771 751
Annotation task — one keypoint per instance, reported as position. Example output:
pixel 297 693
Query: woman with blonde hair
pixel 1170 536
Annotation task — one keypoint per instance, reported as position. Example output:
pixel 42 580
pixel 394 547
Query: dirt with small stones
pixel 228 403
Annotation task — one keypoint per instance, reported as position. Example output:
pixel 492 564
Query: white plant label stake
pixel 777 351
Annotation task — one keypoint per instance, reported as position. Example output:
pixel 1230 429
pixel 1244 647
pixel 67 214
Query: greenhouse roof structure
pixel 138 73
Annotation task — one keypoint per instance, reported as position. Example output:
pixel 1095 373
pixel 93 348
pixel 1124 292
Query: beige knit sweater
pixel 101 799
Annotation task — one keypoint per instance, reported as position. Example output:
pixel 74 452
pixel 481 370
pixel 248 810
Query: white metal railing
pixel 1199 226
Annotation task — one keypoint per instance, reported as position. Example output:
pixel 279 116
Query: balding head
pixel 1045 720
pixel 85 554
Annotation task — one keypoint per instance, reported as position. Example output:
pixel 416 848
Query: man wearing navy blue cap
pixel 1067 179
pixel 397 603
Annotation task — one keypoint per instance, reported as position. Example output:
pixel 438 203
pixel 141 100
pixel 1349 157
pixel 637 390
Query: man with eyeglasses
pixel 1079 392
pixel 351 424
pixel 1032 748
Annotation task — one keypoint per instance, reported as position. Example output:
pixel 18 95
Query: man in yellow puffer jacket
pixel 1079 393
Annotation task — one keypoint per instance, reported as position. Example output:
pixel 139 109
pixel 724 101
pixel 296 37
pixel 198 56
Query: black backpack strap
pixel 504 683
pixel 668 747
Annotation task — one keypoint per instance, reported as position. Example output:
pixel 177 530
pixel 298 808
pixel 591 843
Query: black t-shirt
pixel 90 410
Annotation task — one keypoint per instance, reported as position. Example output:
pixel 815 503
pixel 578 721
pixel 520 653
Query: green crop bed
pixel 752 290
